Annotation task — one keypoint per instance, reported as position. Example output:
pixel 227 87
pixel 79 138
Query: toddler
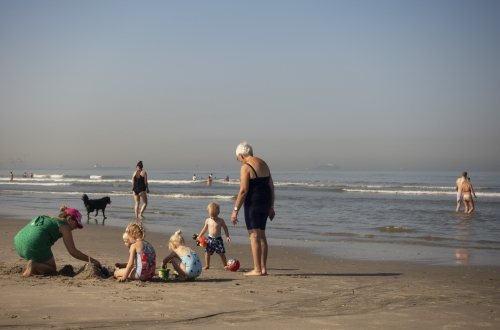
pixel 142 257
pixel 185 261
pixel 215 243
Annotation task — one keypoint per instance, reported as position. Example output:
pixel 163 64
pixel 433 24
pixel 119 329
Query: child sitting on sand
pixel 185 261
pixel 215 243
pixel 142 258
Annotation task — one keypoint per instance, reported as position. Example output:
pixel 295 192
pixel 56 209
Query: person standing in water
pixel 140 188
pixel 458 183
pixel 468 194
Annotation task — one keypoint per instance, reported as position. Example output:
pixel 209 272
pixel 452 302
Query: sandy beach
pixel 302 291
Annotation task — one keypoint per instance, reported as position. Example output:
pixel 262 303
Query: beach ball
pixel 233 265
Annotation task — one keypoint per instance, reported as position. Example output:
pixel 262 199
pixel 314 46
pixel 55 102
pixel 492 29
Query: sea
pixel 360 215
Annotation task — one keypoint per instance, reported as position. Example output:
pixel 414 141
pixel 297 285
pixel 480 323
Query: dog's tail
pixel 85 199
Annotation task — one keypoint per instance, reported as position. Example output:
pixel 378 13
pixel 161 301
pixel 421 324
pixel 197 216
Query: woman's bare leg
pixel 255 245
pixel 144 198
pixel 263 257
pixel 136 206
pixel 40 268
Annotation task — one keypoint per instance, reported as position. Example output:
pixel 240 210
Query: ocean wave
pixel 175 182
pixel 417 192
pixel 124 193
pixel 395 229
pixel 28 183
pixel 188 196
pixel 401 192
pixel 48 176
pixel 390 188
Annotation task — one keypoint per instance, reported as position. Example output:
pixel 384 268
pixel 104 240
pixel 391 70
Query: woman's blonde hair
pixel 213 210
pixel 244 149
pixel 135 230
pixel 177 238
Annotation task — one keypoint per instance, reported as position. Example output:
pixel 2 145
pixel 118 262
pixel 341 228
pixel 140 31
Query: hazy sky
pixel 178 84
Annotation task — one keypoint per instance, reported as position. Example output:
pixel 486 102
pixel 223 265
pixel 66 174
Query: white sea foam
pixel 400 192
pixel 187 196
pixel 417 192
pixel 28 183
pixel 172 181
pixel 48 176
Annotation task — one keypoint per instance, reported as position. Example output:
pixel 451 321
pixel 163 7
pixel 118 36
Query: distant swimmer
pixel 227 178
pixel 209 180
pixel 11 176
pixel 194 177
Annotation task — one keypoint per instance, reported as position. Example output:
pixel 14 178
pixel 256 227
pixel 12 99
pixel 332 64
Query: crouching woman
pixel 34 242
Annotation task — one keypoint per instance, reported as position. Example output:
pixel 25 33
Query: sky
pixel 412 85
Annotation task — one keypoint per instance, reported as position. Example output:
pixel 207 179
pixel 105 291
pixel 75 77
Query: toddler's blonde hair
pixel 176 238
pixel 213 210
pixel 136 230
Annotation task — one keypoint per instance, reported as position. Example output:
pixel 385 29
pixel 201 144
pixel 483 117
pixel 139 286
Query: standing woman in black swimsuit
pixel 257 194
pixel 141 189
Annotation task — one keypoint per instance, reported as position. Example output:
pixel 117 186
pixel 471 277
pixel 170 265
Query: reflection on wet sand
pixel 462 254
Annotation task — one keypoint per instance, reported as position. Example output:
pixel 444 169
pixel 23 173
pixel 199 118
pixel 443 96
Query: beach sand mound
pixel 67 270
pixel 87 272
pixel 91 272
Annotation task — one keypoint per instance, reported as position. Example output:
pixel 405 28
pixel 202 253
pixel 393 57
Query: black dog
pixel 95 205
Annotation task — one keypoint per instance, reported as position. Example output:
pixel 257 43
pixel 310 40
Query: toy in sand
pixel 233 265
pixel 200 241
pixel 163 273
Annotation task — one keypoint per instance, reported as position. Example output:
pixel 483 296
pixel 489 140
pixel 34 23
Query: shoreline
pixel 349 249
pixel 302 290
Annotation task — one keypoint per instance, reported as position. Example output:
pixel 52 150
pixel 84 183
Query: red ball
pixel 233 265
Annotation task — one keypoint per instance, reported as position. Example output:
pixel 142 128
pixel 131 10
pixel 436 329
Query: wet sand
pixel 302 291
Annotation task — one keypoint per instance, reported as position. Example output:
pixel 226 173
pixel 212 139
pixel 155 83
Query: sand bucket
pixel 163 273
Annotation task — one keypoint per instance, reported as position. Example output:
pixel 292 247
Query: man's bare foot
pixel 253 273
pixel 206 267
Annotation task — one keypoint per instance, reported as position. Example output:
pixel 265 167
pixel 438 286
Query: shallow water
pixel 362 215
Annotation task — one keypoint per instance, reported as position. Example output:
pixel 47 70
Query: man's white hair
pixel 244 149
